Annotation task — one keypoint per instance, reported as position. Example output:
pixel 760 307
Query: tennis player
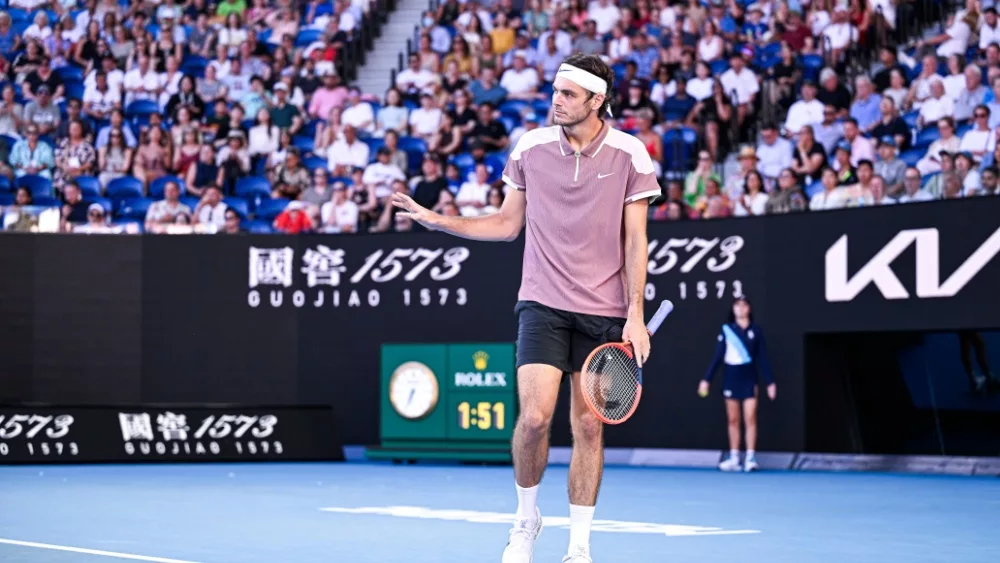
pixel 741 346
pixel 581 190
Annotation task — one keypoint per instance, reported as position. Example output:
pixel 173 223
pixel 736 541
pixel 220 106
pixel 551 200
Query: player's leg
pixel 586 468
pixel 732 461
pixel 538 391
pixel 542 358
pixel 750 423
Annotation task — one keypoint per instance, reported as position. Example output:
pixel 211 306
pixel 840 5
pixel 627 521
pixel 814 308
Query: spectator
pixel 204 173
pixel 414 80
pixel 520 81
pixel 980 140
pixel 829 131
pixel 290 179
pixel 973 94
pixel 741 84
pixel 833 93
pixel 399 157
pixel 865 109
pixel 912 191
pixel 330 95
pixel 989 29
pixel 808 158
pixel 11 112
pixel 471 198
pixel 319 192
pixel 806 111
pixel 897 90
pixel 920 88
pixel 233 160
pixel 43 112
pixel 788 197
pixel 293 219
pixel 74 155
pixel 954 41
pixel 168 210
pixel 832 196
pixel 697 179
pixel 340 214
pixel 486 90
pixel 891 125
pixel 966 171
pixel 346 153
pixel 861 146
pixel 447 141
pixel 233 223
pixel 947 142
pixel 357 113
pixel 889 168
pixel 427 189
pixel 153 156
pixel 31 156
pixel 988 183
pixel 774 153
pixel 382 173
pixel 425 120
pixel 753 199
pixel 889 63
pixel 211 210
pixel 842 163
pixel 393 115
pixel 488 130
pixel 588 42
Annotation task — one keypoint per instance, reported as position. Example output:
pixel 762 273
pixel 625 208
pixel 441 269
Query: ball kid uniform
pixel 744 354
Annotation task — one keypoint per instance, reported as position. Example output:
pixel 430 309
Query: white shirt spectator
pixel 954 85
pixel 340 152
pixel 472 191
pixel 958 41
pixel 922 89
pixel 772 159
pixel 425 121
pixel 345 215
pixel 208 215
pixel 116 79
pixel 263 140
pixel 888 8
pixel 360 116
pixel 604 16
pixel 972 184
pixel 485 18
pixel 619 48
pixel 520 82
pixel 35 32
pixel 836 198
pixel 135 79
pixel 841 35
pixel 564 43
pixel 698 88
pixel 978 141
pixel 745 84
pixel 803 113
pixel 422 79
pixel 758 205
pixel 934 109
pixel 989 35
pixel 919 195
pixel 381 176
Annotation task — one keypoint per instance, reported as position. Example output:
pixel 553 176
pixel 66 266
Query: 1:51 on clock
pixel 482 415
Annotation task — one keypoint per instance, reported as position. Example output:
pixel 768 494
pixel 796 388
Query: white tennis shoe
pixel 578 556
pixel 730 464
pixel 521 547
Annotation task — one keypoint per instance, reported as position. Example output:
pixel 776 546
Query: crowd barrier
pixel 300 321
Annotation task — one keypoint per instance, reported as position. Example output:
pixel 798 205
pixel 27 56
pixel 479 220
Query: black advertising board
pixel 50 434
pixel 300 320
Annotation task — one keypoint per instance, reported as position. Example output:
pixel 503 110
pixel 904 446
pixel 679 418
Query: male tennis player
pixel 582 189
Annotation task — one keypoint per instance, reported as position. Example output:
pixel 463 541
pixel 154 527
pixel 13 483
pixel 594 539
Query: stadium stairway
pixel 374 75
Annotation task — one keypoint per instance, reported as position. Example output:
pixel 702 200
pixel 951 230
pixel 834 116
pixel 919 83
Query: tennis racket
pixel 612 380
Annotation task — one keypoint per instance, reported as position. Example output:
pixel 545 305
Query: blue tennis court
pixel 372 512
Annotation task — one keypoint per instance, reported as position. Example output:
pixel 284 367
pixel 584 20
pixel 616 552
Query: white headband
pixel 583 79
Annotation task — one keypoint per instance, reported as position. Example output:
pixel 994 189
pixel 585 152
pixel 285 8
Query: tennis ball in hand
pixel 702 392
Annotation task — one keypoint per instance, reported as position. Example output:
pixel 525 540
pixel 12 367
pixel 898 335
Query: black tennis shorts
pixel 561 338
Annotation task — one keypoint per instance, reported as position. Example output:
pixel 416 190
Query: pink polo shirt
pixel 574 253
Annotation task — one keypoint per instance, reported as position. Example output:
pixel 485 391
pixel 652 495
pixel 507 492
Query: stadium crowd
pixel 228 116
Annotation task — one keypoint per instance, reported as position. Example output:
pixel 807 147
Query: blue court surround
pixel 257 513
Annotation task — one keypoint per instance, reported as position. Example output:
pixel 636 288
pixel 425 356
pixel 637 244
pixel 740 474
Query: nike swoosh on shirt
pixel 599 176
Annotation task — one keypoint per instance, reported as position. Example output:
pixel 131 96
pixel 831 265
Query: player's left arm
pixel 640 189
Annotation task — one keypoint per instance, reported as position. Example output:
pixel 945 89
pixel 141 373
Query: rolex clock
pixel 447 401
pixel 413 390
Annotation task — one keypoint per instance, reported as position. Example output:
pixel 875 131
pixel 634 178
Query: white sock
pixel 734 454
pixel 750 453
pixel 580 518
pixel 527 500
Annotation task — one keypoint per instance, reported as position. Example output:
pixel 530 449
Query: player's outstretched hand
pixel 772 391
pixel 413 210
pixel 635 333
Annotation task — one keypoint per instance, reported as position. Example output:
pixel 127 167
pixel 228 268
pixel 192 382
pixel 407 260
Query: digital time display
pixel 483 415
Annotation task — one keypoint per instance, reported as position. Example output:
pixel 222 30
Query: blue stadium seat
pixel 310 127
pixel 926 136
pixel 190 201
pixel 308 36
pixel 5 185
pixel 515 108
pixel 90 186
pixel 102 201
pixel 141 109
pixel 509 123
pixel 811 66
pixel 927 179
pixel 304 143
pixel 374 144
pixel 251 187
pixel 74 89
pixel 133 208
pixel 69 73
pixel 415 148
pixel 313 162
pixel 679 147
pixel 259 227
pixel 719 66
pixel 7 198
pixel 463 160
pixel 157 186
pixel 124 188
pixel 239 205
pixel 541 107
pixel 910 118
pixel 813 189
pixel 39 186
pixel 270 208
pixel 139 224
pixel 46 201
pixel 912 156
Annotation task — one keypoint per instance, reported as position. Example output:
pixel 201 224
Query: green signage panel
pixel 414 402
pixel 447 401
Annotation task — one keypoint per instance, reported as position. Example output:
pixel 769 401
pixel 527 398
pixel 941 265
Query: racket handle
pixel 661 315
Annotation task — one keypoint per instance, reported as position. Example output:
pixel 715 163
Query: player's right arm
pixel 504 225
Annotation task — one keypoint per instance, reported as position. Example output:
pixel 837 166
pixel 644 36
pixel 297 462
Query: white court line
pixel 86 551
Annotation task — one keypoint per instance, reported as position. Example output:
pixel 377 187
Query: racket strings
pixel 612 378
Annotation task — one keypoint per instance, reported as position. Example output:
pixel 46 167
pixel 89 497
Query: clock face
pixel 413 390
